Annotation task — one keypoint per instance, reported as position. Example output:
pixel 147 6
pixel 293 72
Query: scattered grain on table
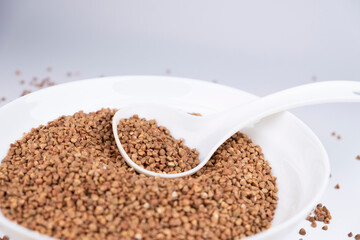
pixel 195 114
pixel 25 92
pixel 334 134
pixel 46 82
pixel 320 214
pixel 302 231
pixel 313 224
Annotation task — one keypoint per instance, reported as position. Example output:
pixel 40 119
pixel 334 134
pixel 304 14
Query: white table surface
pixel 257 46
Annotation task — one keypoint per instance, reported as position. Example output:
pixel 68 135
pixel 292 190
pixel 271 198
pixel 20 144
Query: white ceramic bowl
pixel 296 155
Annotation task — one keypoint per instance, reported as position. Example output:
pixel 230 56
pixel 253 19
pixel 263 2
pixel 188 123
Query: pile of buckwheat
pixel 320 214
pixel 153 148
pixel 68 180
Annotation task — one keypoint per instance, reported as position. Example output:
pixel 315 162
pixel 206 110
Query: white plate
pixel 296 155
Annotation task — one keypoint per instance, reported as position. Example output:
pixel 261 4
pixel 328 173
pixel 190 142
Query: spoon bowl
pixel 181 124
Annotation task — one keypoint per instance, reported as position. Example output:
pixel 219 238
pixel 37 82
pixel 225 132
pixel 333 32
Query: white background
pixel 257 46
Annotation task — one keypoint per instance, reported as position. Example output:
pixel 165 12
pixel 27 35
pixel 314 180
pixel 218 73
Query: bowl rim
pixel 267 233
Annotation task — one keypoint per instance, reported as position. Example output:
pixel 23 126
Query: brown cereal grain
pixel 338 136
pixel 325 228
pixel 337 186
pixel 302 231
pixel 67 180
pixel 358 157
pixel 46 82
pixel 350 234
pixel 313 224
pixel 357 236
pixel 25 92
pixel 196 114
pixel 320 214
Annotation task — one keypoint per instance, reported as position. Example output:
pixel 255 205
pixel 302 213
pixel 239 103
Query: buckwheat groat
pixel 68 180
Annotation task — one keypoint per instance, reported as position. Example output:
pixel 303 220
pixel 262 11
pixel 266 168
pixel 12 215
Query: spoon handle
pixel 309 94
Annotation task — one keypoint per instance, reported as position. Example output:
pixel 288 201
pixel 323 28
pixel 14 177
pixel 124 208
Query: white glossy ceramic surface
pixel 296 155
pixel 209 132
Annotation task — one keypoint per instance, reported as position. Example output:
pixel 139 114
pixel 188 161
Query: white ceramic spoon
pixel 208 132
